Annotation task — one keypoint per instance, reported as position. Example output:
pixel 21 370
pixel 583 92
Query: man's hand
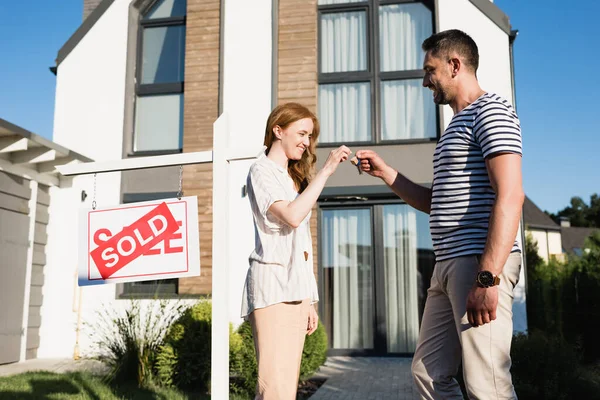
pixel 373 164
pixel 481 305
pixel 313 321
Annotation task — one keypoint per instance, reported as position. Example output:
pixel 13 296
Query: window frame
pixel 150 89
pixel 372 74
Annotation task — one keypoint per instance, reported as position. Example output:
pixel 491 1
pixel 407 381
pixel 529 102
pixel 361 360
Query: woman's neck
pixel 277 155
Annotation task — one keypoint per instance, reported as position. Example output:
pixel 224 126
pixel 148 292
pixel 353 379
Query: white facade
pixel 89 115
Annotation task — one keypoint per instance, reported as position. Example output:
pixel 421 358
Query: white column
pixel 219 380
pixel 247 85
pixel 28 268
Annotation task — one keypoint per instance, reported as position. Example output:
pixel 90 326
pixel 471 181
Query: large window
pixel 159 78
pixel 370 72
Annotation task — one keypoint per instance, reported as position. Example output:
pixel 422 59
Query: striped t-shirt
pixel 462 196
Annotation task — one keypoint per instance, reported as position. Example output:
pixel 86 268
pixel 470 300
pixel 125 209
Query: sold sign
pixel 133 241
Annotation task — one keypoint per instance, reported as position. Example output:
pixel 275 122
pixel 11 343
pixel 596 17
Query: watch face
pixel 485 278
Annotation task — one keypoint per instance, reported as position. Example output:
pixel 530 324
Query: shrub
pixel 313 356
pixel 128 340
pixel 184 359
pixel 314 353
pixel 245 374
pixel 547 367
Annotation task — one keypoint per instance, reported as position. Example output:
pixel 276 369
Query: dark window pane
pixel 163 286
pixel 163 54
pixel 167 8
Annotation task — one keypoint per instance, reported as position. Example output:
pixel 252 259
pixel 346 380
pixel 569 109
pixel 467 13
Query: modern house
pixel 546 232
pixel 150 77
pixel 554 241
pixel 573 238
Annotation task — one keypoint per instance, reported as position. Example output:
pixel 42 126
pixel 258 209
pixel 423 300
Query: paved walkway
pixel 58 365
pixel 366 378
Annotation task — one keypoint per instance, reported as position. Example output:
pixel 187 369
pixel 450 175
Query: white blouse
pixel 281 265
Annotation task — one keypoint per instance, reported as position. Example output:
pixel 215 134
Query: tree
pixel 579 213
pixel 534 261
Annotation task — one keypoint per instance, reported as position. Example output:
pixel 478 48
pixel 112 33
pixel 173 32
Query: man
pixel 474 205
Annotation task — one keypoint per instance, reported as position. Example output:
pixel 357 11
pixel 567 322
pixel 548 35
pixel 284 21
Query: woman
pixel 280 290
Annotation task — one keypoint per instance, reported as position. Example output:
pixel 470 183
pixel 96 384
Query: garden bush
pixel 313 356
pixel 183 360
pixel 547 367
pixel 128 339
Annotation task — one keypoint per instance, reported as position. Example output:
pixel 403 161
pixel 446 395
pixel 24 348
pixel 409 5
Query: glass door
pixel 376 262
pixel 347 277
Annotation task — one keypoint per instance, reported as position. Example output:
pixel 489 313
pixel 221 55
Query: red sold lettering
pixel 133 241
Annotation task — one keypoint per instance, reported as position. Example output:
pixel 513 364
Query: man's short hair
pixel 442 43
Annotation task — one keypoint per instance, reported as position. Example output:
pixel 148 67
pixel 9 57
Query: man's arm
pixel 504 171
pixel 413 194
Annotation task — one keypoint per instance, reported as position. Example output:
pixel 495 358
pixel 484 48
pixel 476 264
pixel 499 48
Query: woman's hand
pixel 336 156
pixel 313 321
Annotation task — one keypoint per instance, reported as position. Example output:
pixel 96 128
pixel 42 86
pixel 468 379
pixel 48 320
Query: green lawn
pixel 81 386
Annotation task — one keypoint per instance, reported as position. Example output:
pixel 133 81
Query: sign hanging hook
pixel 94 196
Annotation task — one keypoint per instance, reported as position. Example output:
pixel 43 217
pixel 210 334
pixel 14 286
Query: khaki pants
pixel 446 335
pixel 279 332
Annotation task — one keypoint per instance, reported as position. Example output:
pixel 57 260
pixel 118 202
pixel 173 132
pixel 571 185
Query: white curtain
pixel 345 112
pixel 343 42
pixel 401 286
pixel 344 109
pixel 346 238
pixel 402 30
pixel 407 111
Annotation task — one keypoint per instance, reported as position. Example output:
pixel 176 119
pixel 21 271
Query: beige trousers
pixel 446 335
pixel 279 332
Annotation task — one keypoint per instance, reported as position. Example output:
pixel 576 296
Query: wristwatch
pixel 486 279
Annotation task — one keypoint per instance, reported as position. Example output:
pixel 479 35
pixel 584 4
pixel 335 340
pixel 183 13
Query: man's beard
pixel 440 96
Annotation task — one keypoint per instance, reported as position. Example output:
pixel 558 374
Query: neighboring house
pixel 149 77
pixel 573 238
pixel 31 224
pixel 546 232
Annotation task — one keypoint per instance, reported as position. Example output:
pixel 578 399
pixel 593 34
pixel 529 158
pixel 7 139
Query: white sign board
pixel 139 242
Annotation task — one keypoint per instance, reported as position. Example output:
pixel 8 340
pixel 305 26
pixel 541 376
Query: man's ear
pixel 455 66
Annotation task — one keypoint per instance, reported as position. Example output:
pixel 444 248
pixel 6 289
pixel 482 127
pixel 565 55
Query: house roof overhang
pixel 31 156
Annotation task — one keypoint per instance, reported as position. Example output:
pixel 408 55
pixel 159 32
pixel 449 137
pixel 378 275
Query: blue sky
pixel 557 85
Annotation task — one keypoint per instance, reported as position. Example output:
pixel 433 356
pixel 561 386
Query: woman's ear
pixel 277 131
